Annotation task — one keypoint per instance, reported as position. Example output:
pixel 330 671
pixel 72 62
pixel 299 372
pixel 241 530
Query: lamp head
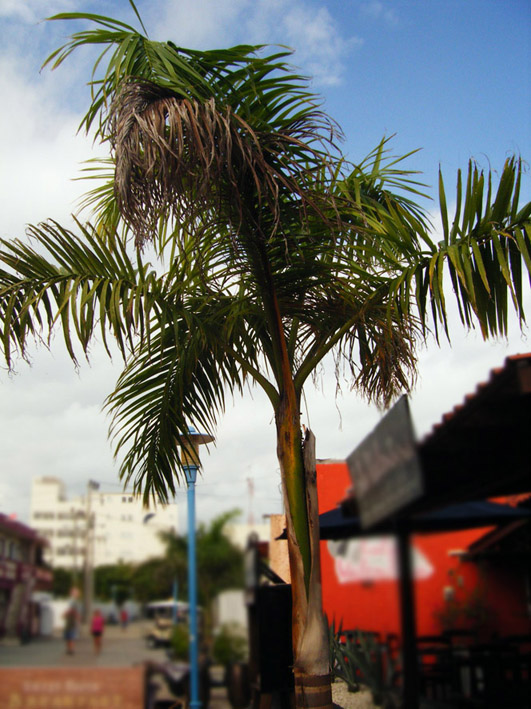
pixel 189 444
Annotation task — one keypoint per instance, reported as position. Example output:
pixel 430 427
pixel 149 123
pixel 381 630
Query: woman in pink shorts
pixel 96 628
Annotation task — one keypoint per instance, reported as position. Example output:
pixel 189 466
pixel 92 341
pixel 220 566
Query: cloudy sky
pixel 449 77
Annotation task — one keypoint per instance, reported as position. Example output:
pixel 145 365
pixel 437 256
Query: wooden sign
pixel 72 688
pixel 385 469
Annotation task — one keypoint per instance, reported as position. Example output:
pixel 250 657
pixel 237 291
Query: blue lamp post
pixel 190 460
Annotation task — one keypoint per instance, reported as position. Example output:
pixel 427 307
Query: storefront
pixel 479 451
pixel 22 572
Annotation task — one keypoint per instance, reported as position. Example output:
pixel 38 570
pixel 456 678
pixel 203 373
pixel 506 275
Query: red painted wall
pixel 374 605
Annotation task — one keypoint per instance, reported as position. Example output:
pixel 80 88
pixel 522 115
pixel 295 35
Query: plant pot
pixel 237 680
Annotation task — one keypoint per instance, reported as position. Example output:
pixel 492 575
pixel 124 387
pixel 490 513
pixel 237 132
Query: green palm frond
pixel 485 252
pixel 180 378
pixel 100 201
pixel 76 281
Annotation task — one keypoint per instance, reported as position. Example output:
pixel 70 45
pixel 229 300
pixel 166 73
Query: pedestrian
pixel 71 617
pixel 96 628
pixel 124 617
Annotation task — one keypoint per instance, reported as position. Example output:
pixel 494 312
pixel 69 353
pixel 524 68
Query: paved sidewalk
pixel 120 648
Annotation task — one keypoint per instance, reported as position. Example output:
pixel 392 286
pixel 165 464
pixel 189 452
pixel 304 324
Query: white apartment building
pixel 122 529
pixel 239 532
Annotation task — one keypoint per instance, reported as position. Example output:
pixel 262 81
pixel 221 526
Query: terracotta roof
pixel 480 448
pixel 496 374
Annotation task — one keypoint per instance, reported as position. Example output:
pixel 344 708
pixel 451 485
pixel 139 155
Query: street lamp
pixel 190 461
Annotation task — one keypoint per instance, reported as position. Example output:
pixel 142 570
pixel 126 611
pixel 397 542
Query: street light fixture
pixel 190 461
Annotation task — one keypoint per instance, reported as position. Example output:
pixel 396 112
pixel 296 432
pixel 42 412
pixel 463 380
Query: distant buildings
pixel 21 573
pixel 122 530
pixel 239 533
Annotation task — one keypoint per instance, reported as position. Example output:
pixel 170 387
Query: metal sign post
pixel 387 476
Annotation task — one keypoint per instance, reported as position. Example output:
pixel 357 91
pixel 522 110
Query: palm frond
pixel 79 282
pixel 176 158
pixel 181 378
pixel 485 252
pixel 193 130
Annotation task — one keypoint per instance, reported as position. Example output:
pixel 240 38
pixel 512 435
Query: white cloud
pixel 201 23
pixel 321 50
pixel 30 11
pixel 321 46
pixel 40 152
pixel 377 10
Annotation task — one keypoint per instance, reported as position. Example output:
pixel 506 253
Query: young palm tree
pixel 278 253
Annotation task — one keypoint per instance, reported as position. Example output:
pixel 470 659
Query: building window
pixel 67 551
pixel 65 532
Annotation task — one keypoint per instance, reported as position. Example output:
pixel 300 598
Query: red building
pixel 21 573
pixel 462 580
pixel 479 578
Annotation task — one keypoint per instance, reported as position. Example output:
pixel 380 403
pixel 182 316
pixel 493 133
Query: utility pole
pixel 89 554
pixel 250 489
pixel 74 516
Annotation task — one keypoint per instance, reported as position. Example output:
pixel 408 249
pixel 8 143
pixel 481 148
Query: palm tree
pixel 278 253
pixel 219 561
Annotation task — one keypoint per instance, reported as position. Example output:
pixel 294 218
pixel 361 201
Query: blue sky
pixel 450 77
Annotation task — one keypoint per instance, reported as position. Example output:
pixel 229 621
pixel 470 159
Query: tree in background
pixel 113 582
pixel 63 582
pixel 276 253
pixel 219 562
pixel 152 580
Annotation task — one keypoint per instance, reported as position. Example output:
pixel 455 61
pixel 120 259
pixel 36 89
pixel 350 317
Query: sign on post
pixel 385 468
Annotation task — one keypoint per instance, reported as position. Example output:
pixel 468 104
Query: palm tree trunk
pixel 309 633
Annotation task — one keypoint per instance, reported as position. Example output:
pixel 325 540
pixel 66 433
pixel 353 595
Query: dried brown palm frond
pixel 179 157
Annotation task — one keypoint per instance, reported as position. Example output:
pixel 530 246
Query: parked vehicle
pixel 160 633
pixel 177 610
pixel 164 614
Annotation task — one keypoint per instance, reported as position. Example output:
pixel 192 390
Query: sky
pixel 450 78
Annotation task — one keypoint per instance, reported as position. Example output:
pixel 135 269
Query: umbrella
pixel 334 524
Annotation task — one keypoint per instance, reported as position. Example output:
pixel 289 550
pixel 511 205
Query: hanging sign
pixel 385 469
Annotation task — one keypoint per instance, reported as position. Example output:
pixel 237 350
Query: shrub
pixel 180 642
pixel 230 644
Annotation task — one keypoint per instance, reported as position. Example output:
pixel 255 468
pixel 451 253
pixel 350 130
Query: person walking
pixel 96 628
pixel 124 618
pixel 71 617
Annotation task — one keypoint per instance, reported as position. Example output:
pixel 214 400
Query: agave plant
pixel 356 658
